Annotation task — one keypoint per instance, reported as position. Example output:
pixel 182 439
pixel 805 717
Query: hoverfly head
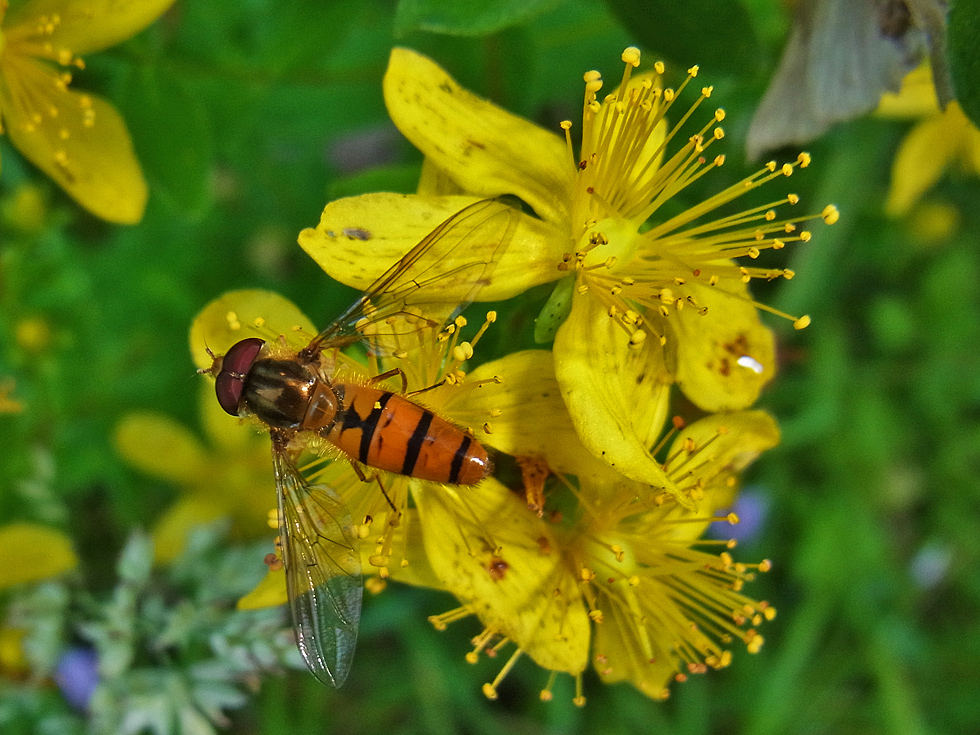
pixel 231 370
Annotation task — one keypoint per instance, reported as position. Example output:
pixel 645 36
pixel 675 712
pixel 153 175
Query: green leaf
pixel 717 36
pixel 465 17
pixel 172 137
pixel 964 55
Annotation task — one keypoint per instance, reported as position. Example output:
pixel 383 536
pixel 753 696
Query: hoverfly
pixel 294 394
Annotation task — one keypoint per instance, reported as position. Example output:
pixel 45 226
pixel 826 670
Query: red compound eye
pixel 230 382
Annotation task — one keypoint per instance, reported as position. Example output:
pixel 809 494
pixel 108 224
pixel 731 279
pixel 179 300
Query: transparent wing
pixel 439 277
pixel 323 569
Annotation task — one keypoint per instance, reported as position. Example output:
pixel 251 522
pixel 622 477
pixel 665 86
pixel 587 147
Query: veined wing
pixel 439 277
pixel 323 569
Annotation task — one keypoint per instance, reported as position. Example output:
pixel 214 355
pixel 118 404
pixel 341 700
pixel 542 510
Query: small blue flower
pixel 77 676
pixel 752 509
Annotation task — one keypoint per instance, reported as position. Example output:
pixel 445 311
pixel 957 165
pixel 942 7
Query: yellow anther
pixel 802 323
pixel 830 214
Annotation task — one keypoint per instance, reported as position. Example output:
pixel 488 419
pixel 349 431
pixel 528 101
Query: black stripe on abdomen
pixel 367 425
pixel 464 447
pixel 414 447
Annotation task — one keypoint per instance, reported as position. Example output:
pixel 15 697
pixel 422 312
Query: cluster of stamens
pixel 622 179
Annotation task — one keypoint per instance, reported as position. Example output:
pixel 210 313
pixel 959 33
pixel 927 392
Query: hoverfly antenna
pixel 214 362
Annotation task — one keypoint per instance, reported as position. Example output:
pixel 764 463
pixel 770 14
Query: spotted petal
pixel 725 355
pixel 501 560
pixel 485 149
pixel 359 238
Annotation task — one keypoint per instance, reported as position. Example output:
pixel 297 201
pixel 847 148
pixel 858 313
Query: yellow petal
pixel 533 420
pixel 923 156
pixel 501 560
pixel 80 26
pixel 269 592
pixel 970 137
pixel 435 182
pixel 77 139
pixel 237 315
pixel 408 563
pixel 13 659
pixel 159 446
pixel 359 238
pixel 623 651
pixel 616 395
pixel 485 149
pixel 710 453
pixel 32 552
pixel 916 98
pixel 724 356
pixel 189 512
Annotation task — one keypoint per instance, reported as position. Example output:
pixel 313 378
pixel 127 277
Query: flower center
pixel 610 243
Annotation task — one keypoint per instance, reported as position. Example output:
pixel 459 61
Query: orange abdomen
pixel 385 430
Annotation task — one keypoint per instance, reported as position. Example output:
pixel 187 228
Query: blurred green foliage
pixel 249 116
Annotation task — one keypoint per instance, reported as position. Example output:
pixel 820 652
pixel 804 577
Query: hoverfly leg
pixel 385 493
pixel 425 390
pixel 390 374
pixel 360 473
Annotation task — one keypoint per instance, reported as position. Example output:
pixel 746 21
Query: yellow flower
pixel 651 296
pixel 494 402
pixel 666 603
pixel 77 139
pixel 9 404
pixel 32 553
pixel 626 576
pixel 939 141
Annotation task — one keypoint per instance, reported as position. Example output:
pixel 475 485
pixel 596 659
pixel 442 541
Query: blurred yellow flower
pixel 77 139
pixel 230 477
pixel 33 552
pixel 13 660
pixel 9 404
pixel 646 305
pixel 940 141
